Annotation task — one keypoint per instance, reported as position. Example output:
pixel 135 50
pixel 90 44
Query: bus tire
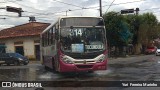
pixel 46 68
pixel 54 67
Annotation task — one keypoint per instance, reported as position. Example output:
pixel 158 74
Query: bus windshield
pixel 82 40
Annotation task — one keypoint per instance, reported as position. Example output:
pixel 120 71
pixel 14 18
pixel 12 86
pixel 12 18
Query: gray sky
pixel 49 10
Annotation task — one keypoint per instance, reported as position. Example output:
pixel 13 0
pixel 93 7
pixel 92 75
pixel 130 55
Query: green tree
pixel 144 29
pixel 136 29
pixel 117 30
pixel 148 24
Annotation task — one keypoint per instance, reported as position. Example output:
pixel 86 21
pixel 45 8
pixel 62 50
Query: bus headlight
pixel 66 60
pixel 101 59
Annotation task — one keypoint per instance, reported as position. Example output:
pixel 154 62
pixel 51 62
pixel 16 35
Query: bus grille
pixel 84 66
pixel 82 62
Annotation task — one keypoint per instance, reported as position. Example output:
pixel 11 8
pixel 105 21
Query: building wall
pixel 28 45
pixel 10 46
pixel 29 48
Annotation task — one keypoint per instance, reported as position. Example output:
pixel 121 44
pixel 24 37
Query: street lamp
pixel 67 11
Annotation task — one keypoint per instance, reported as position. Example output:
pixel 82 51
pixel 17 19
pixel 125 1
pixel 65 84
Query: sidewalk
pixel 32 62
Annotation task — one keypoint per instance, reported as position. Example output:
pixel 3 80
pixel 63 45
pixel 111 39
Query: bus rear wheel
pixel 54 66
pixel 46 68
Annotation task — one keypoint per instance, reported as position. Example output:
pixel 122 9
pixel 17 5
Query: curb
pixel 33 62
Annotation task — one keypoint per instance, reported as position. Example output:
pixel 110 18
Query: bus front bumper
pixel 82 67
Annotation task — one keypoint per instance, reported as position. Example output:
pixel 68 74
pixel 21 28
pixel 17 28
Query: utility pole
pixel 66 13
pixel 100 7
pixel 137 11
pixel 136 27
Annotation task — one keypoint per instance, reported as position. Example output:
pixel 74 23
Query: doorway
pixel 19 49
pixel 37 52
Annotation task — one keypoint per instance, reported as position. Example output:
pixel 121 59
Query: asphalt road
pixel 136 68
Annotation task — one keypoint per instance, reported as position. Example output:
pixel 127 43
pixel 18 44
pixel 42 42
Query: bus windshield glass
pixel 82 40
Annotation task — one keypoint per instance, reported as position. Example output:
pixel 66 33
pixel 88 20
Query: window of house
pixel 18 43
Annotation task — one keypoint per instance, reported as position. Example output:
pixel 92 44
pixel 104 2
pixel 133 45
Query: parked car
pixel 157 52
pixel 150 50
pixel 13 58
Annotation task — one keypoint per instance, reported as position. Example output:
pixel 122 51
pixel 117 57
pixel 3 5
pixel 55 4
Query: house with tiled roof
pixel 23 39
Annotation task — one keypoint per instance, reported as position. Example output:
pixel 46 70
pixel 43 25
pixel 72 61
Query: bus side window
pixel 56 34
pixel 48 38
pixel 53 35
pixel 42 40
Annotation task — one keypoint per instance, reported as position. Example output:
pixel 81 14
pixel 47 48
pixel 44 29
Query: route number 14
pixel 76 32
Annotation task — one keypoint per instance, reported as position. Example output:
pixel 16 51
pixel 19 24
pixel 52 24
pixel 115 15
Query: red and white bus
pixel 75 44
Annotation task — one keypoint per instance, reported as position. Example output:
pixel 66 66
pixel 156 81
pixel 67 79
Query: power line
pixel 68 3
pixel 2 2
pixel 110 5
pixel 2 7
pixel 104 1
pixel 81 8
pixel 40 10
pixel 37 13
pixel 13 16
pixel 22 5
pixel 41 14
pixel 8 16
pixel 2 18
pixel 53 14
pixel 150 9
pixel 126 2
pixel 118 4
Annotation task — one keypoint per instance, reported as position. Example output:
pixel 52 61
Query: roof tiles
pixel 28 29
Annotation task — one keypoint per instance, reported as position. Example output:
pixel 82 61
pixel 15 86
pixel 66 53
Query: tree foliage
pixel 147 30
pixel 117 30
pixel 124 29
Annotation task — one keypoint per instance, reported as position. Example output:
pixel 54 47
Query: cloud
pixel 49 10
pixel 5 26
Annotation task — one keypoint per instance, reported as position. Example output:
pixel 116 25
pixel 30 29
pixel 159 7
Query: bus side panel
pixel 49 54
pixel 47 61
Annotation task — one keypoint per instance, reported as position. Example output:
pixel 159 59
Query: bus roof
pixel 79 17
pixel 67 17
